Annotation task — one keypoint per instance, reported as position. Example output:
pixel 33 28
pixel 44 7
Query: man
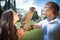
pixel 51 25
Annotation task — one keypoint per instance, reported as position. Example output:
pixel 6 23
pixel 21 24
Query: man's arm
pixel 35 26
pixel 38 25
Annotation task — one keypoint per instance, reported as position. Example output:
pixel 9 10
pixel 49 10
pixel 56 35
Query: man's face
pixel 47 11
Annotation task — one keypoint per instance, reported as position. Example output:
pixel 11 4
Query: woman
pixel 8 28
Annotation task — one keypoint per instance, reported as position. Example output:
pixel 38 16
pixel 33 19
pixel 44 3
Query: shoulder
pixel 42 22
pixel 20 33
pixel 55 21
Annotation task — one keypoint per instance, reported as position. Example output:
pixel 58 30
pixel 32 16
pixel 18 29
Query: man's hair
pixel 54 6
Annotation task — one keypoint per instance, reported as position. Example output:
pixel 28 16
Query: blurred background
pixel 21 7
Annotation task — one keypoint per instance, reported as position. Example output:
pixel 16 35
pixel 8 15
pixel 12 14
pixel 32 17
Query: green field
pixel 32 35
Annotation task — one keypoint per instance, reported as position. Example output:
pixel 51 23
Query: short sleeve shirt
pixel 53 28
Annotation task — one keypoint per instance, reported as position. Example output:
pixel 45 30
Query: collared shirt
pixel 43 25
pixel 52 27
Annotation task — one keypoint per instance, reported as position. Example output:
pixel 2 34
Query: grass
pixel 31 35
pixel 18 24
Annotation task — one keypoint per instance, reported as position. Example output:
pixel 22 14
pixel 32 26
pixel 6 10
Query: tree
pixel 1 10
pixel 35 16
pixel 14 5
pixel 9 5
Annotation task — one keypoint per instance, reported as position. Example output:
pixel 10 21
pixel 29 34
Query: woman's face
pixel 15 16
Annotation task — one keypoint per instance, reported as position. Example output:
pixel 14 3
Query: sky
pixel 38 4
pixel 26 4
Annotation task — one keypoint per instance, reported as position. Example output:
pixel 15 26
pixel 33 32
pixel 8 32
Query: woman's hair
pixel 8 29
pixel 54 6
